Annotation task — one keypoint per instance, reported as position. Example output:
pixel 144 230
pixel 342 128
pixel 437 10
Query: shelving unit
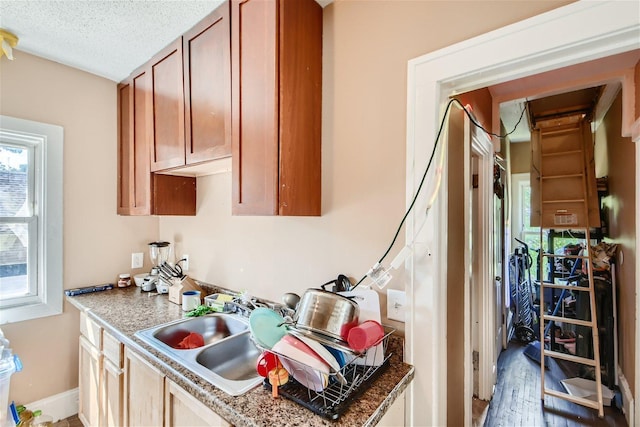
pixel 566 187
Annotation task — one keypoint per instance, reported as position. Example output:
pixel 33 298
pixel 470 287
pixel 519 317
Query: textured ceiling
pixel 107 38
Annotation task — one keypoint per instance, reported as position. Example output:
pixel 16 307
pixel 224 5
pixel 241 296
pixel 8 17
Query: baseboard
pixel 627 399
pixel 58 406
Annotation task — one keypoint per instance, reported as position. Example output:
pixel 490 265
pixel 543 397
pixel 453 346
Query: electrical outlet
pixel 396 301
pixel 185 263
pixel 137 259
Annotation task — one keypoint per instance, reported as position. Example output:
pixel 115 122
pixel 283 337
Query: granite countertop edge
pixel 123 311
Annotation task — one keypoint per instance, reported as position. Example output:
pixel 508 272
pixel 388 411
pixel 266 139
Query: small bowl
pixel 139 278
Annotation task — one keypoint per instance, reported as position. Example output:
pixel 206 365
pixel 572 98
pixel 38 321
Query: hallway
pixel 516 401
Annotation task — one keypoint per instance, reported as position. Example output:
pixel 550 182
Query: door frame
pixel 482 149
pixel 525 48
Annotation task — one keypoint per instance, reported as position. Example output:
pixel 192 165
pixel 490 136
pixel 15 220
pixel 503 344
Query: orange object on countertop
pixel 193 340
pixel 277 377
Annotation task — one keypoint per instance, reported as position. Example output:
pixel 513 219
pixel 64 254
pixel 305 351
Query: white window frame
pixel 519 181
pixel 45 142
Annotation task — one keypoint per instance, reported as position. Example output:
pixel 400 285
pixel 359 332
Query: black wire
pixel 433 152
pixel 478 125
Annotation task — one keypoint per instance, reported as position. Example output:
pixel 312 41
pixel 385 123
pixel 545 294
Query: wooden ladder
pixel 562 155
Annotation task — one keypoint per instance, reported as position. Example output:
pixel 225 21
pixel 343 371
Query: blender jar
pixel 159 253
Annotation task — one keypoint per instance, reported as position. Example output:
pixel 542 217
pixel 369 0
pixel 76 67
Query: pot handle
pixel 342 284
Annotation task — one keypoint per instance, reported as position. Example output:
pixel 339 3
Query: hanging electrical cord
pixel 426 172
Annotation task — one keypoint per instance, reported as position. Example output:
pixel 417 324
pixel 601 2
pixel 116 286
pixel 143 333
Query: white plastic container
pixel 9 363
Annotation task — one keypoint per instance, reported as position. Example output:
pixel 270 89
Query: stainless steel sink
pixel 234 360
pixel 212 328
pixel 228 358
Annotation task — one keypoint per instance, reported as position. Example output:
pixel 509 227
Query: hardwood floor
pixel 517 402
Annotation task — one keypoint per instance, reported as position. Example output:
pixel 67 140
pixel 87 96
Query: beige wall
pixel 97 243
pixel 366 47
pixel 622 216
pixel 520 154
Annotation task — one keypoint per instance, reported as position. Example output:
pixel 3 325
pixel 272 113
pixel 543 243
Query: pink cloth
pixel 193 340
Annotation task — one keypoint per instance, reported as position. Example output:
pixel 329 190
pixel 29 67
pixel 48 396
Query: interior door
pixel 498 259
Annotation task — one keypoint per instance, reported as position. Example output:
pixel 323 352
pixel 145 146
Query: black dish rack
pixel 334 400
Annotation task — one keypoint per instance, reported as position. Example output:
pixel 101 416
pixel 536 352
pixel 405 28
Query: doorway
pixel 482 62
pixel 471 297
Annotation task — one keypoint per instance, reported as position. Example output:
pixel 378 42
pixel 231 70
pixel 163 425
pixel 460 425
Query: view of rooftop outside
pixel 14 236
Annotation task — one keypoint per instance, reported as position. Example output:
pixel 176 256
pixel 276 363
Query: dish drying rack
pixel 332 401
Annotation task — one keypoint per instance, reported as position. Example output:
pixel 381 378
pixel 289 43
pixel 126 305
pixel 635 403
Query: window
pixel 30 219
pixel 521 215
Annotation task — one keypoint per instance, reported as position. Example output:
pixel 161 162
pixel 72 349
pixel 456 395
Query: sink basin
pixel 212 328
pixel 235 360
pixel 228 357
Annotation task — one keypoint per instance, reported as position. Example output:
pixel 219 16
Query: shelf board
pixel 564 201
pixel 571 175
pixel 561 153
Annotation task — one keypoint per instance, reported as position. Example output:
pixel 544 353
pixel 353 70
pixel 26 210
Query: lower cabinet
pixel 112 380
pixel 90 366
pixel 153 400
pixel 118 387
pixel 182 409
pixel 113 383
pixel 144 391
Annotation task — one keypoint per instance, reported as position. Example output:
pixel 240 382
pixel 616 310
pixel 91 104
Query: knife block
pixel 180 286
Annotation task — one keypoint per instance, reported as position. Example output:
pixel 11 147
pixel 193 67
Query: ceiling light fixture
pixel 8 41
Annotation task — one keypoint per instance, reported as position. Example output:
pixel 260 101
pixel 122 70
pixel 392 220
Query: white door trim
pixel 565 36
pixel 482 148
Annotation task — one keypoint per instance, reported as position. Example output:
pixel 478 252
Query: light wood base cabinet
pixel 90 367
pixel 113 383
pixel 118 387
pixel 182 409
pixel 144 391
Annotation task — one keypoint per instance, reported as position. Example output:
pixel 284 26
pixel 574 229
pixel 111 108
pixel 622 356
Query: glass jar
pixel 124 280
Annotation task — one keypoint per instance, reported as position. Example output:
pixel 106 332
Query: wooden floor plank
pixel 516 400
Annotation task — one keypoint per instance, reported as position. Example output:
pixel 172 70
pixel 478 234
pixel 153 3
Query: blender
pixel 159 253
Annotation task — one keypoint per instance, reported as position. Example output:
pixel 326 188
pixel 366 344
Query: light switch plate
pixel 137 259
pixel 396 305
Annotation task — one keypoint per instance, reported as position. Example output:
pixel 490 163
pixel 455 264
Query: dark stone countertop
pixel 123 311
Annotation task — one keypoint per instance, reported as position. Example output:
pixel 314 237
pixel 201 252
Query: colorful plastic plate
pixel 267 327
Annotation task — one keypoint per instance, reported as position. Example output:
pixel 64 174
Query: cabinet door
pixel 134 177
pixel 167 108
pixel 90 367
pixel 182 409
pixel 276 58
pixel 144 392
pixel 113 393
pixel 207 88
pixel 300 107
pixel 255 107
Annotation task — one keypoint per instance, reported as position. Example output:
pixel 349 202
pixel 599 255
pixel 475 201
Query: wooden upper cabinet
pixel 167 108
pixel 134 178
pixel 207 88
pixel 141 192
pixel 276 62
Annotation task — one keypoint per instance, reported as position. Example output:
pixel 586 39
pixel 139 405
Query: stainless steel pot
pixel 327 313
